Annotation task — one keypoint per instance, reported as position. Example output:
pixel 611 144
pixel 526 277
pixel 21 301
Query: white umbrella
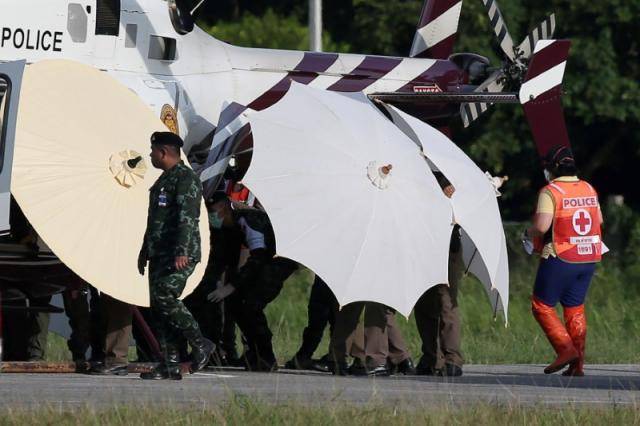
pixel 316 170
pixel 475 208
pixel 77 127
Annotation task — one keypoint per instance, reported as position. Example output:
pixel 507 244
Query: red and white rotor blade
pixel 471 111
pixel 543 31
pixel 500 28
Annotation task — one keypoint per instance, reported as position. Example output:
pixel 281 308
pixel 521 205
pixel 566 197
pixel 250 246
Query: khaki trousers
pixel 438 319
pixel 378 340
pixel 118 318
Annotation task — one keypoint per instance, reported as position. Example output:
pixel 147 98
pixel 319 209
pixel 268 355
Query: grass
pixel 612 315
pixel 243 411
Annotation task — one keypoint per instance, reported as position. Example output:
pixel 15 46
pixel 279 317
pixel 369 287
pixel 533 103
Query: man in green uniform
pixel 172 248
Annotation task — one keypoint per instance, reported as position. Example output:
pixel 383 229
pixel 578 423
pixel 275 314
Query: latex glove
pixel 497 182
pixel 220 294
pixel 527 244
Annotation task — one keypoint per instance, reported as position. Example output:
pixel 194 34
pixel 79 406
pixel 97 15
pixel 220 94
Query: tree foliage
pixel 269 30
pixel 602 100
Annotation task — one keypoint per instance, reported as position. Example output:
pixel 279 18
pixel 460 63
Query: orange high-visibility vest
pixel 237 192
pixel 576 233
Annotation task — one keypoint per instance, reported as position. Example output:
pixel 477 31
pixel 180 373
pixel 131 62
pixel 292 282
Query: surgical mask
pixel 215 221
pixel 547 175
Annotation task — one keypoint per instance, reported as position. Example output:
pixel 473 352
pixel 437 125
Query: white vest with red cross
pixel 576 233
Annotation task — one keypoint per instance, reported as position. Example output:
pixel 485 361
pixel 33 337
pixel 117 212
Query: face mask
pixel 215 221
pixel 547 175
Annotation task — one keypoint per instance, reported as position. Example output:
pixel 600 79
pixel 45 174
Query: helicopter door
pixel 10 81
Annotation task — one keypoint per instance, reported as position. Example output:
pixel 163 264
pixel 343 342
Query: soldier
pixel 257 283
pixel 172 248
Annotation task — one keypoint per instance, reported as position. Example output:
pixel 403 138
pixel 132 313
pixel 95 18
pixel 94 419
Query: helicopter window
pixel 180 16
pixel 108 17
pixel 77 23
pixel 131 37
pixel 4 87
pixel 162 48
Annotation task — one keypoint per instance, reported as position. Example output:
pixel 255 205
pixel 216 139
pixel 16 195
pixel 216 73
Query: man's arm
pixel 541 224
pixel 143 256
pixel 188 197
pixel 223 256
pixel 248 273
pixel 543 219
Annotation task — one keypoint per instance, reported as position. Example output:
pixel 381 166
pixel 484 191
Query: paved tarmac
pixel 497 384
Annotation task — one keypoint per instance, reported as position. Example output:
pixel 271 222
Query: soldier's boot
pixel 299 363
pixel 576 323
pixel 201 350
pixel 556 333
pixel 170 369
pixel 265 359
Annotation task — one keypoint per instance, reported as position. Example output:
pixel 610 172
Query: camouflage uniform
pixel 172 224
pixel 172 230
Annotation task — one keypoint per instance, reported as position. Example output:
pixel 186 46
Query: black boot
pixel 357 368
pixel 424 368
pixel 340 368
pixel 262 365
pixel 170 369
pixel 109 370
pixel 405 367
pixel 163 372
pixel 323 364
pixel 299 363
pixel 452 370
pixel 201 350
pixel 265 359
pixel 217 359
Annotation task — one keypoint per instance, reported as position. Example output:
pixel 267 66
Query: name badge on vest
pixel 162 198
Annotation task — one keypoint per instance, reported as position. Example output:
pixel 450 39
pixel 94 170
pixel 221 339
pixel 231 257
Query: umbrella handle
pixel 132 163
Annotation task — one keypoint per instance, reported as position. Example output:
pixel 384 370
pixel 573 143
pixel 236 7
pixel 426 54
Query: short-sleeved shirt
pixel 545 205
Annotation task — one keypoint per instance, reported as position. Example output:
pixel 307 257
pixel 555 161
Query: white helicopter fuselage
pixel 192 73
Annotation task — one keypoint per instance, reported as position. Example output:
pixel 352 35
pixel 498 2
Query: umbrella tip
pixel 132 163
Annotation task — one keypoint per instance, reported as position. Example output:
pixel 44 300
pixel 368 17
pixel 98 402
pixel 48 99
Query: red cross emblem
pixel 582 222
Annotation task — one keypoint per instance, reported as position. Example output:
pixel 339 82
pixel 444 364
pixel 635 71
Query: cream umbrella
pixel 77 130
pixel 318 168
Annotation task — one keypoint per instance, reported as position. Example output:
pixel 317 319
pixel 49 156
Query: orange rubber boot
pixel 557 335
pixel 576 323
